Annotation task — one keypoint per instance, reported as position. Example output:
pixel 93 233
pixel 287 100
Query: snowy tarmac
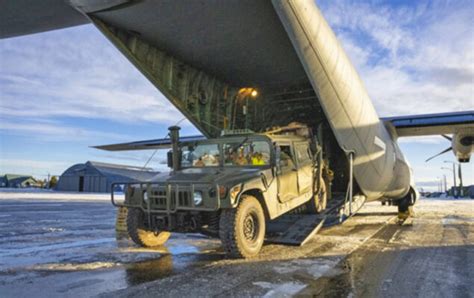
pixel 68 248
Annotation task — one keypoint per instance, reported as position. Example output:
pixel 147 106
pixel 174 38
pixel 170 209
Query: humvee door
pixel 288 176
pixel 305 167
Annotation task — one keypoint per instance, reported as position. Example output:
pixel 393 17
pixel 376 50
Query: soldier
pixel 241 160
pixel 257 159
pixel 199 163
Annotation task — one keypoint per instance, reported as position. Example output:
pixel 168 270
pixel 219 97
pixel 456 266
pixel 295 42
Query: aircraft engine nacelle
pixel 463 146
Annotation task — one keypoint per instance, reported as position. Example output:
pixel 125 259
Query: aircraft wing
pixel 432 124
pixel 21 17
pixel 148 144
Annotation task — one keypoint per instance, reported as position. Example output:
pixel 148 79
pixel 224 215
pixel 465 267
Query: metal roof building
pixel 17 181
pixel 98 177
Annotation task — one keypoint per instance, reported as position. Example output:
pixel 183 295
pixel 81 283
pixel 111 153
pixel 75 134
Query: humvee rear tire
pixel 319 201
pixel 242 229
pixel 136 230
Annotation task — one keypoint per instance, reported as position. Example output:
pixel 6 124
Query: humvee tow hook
pixel 193 224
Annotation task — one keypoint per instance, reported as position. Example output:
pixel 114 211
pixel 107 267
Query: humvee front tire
pixel 242 229
pixel 136 230
pixel 319 201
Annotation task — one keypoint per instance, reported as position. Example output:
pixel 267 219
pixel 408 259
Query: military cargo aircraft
pixel 256 64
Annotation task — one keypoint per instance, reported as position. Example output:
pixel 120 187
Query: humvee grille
pixel 169 198
pixel 178 197
pixel 159 197
pixel 183 198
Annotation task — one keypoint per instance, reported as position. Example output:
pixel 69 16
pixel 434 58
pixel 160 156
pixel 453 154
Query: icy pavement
pixel 58 248
pixel 47 194
pixel 63 248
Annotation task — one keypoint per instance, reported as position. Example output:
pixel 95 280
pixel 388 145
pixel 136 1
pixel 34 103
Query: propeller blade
pixel 442 152
pixel 447 137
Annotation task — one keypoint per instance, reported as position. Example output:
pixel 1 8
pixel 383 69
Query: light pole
pixel 445 184
pixel 455 193
pixel 445 180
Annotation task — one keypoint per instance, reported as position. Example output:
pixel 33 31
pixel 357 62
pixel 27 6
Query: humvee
pixel 229 187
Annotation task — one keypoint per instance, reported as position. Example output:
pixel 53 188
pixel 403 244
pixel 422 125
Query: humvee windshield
pixel 247 153
pixel 256 153
pixel 200 155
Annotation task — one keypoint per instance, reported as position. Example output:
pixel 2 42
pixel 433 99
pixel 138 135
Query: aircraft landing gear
pixel 405 207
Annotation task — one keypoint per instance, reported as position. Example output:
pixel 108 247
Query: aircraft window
pixel 302 153
pixel 247 154
pixel 286 159
pixel 203 155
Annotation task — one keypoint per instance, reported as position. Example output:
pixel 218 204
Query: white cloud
pixel 56 131
pixel 80 74
pixel 424 140
pixel 412 60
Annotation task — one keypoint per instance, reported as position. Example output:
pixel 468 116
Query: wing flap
pixel 432 124
pixel 21 17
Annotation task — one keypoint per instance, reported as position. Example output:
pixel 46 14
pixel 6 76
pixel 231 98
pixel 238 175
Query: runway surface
pixel 63 248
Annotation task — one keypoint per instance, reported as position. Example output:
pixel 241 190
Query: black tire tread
pixel 228 230
pixel 132 226
pixel 227 233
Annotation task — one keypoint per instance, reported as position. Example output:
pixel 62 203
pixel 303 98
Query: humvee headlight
pixel 234 192
pixel 197 198
pixel 145 197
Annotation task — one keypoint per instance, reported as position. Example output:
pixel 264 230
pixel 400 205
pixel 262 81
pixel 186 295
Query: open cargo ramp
pixel 298 229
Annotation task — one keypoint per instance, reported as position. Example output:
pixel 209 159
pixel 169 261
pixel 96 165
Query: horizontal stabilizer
pixel 148 144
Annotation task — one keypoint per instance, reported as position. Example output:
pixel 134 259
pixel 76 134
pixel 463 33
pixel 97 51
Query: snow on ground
pixel 287 289
pixel 37 193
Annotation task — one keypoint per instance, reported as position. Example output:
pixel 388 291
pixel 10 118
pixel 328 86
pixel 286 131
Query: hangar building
pixel 98 177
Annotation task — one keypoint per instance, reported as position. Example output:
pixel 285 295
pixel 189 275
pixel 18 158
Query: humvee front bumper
pixel 167 198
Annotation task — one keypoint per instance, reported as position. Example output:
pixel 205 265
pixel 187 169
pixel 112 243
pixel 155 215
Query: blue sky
pixel 65 90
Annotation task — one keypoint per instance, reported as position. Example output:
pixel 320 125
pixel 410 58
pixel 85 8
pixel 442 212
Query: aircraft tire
pixel 405 203
pixel 137 232
pixel 242 229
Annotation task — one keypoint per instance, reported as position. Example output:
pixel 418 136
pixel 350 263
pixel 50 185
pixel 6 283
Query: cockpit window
pixel 256 153
pixel 201 155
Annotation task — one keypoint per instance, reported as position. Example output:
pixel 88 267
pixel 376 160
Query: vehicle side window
pixel 302 153
pixel 286 159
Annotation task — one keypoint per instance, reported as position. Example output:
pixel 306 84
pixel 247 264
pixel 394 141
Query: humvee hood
pixel 222 176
